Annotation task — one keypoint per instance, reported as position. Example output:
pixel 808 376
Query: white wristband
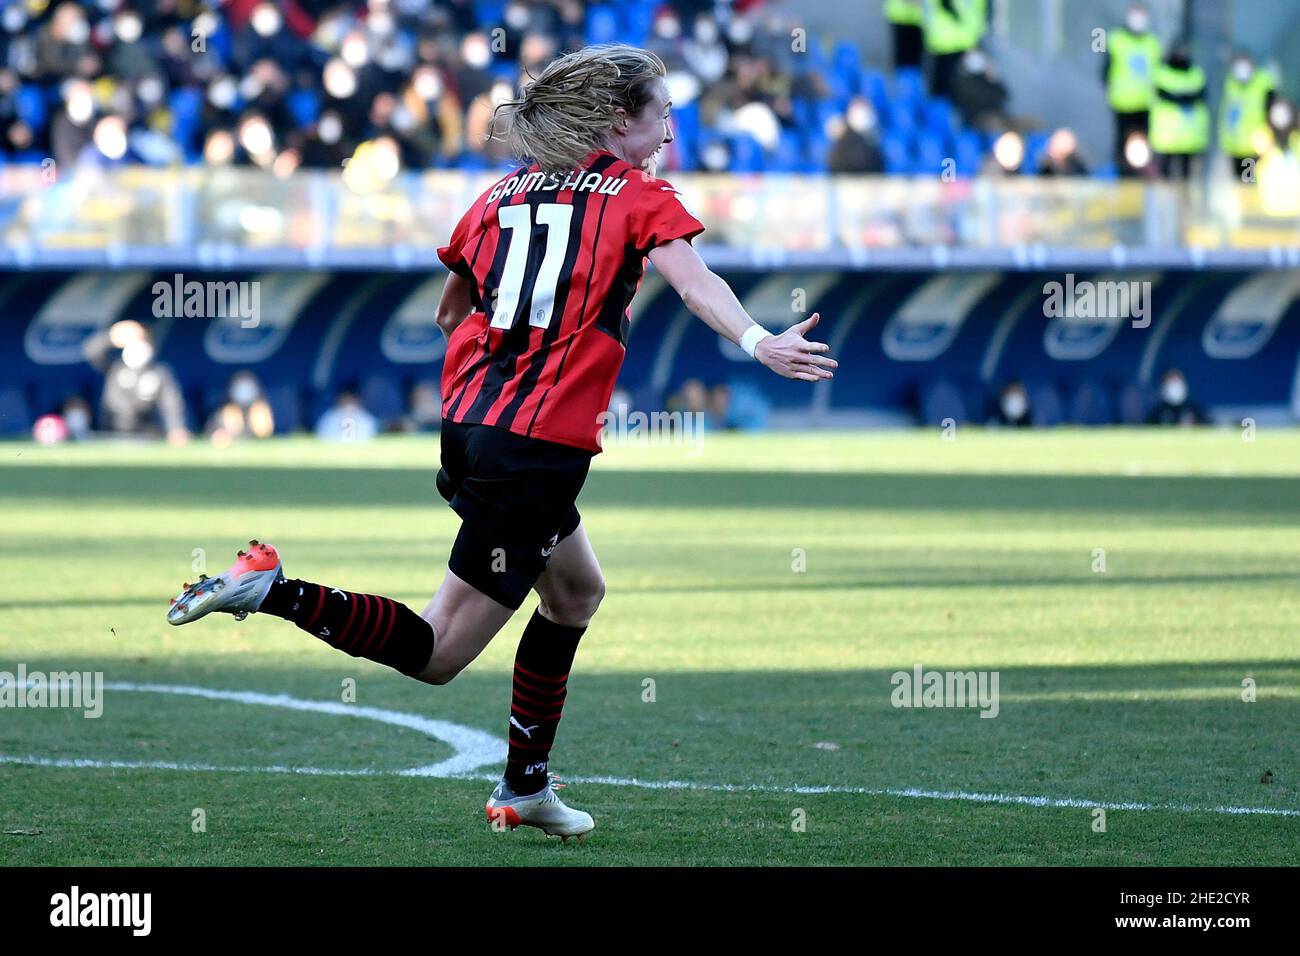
pixel 752 336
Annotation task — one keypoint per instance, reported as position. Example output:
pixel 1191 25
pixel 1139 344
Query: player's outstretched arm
pixel 455 305
pixel 709 298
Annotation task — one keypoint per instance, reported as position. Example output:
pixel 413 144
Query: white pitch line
pixel 474 748
pixel 919 793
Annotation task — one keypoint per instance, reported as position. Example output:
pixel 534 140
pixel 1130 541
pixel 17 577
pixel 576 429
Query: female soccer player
pixel 542 270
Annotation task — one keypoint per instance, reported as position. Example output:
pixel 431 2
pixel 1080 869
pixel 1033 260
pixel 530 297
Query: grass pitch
pixel 762 590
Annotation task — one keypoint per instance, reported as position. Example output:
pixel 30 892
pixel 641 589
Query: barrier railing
pixel 245 218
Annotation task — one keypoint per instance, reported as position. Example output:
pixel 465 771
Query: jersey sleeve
pixel 453 253
pixel 660 216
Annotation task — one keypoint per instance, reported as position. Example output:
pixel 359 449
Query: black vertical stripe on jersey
pixel 559 369
pixel 612 317
pixel 518 335
pixel 491 281
pixel 531 375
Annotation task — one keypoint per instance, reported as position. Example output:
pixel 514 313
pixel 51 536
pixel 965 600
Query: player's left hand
pixel 791 355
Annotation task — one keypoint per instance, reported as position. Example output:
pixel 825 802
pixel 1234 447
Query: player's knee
pixel 438 677
pixel 574 603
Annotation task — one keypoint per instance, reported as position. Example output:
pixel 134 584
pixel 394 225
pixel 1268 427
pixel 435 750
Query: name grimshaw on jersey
pixel 579 180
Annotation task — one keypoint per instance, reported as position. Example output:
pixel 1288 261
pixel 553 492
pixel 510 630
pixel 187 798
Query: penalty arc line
pixel 474 748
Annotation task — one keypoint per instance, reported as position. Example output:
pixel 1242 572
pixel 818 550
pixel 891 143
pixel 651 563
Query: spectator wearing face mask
pixel 1278 170
pixel 1062 157
pixel 1175 406
pixel 854 146
pixel 1013 407
pixel 244 414
pixel 141 395
pixel 1129 70
pixel 704 52
pixel 1248 93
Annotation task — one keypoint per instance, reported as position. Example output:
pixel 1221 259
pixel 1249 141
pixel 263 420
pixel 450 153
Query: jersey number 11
pixel 557 217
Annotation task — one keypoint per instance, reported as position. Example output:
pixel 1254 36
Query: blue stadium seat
pixel 942 399
pixel 1045 405
pixel 896 150
pixel 746 154
pixel 1092 405
pixel 940 119
pixel 304 106
pixel 813 60
pixel 1035 151
pixel 875 89
pixel 29 104
pixel 909 86
pixel 490 12
pixel 929 155
pixel 286 408
pixel 638 17
pixel 602 25
pixel 1134 402
pixel 789 153
pixel 686 128
pixel 848 66
pixel 382 397
pixel 969 153
pixel 900 118
pixel 187 112
pixel 15 415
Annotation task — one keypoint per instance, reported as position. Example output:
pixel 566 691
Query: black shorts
pixel 515 496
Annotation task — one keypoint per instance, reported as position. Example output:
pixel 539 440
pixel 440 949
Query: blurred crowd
pixel 386 85
pixel 1157 94
pixel 288 84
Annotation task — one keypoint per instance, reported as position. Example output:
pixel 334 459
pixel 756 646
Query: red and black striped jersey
pixel 553 262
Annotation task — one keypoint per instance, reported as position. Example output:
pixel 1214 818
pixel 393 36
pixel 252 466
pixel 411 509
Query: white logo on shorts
pixel 555 540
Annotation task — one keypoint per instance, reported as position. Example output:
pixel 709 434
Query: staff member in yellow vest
pixel 951 28
pixel 906 19
pixel 1132 56
pixel 1248 93
pixel 1278 172
pixel 1180 118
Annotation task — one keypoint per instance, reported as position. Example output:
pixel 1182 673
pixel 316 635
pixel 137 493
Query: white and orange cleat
pixel 544 810
pixel 238 590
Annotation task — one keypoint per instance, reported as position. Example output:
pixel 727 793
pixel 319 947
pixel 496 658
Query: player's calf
pixel 362 625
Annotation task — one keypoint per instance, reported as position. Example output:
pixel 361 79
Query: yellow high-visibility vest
pixel 1243 112
pixel 1175 128
pixel 1130 79
pixel 906 13
pixel 945 33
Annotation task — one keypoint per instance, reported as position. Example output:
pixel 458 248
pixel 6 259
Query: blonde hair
pixel 568 110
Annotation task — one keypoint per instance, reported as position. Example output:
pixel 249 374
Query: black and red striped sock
pixel 363 625
pixel 542 665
